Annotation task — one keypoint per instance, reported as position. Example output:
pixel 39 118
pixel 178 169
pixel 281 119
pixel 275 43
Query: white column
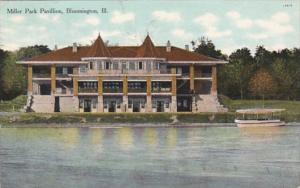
pixel 149 103
pixel 173 104
pixel 125 103
pixel 76 103
pixel 100 103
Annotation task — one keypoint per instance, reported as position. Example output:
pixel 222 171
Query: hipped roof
pixel 99 49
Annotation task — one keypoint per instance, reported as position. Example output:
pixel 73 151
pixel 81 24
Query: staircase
pixel 208 103
pixel 43 103
pixel 27 107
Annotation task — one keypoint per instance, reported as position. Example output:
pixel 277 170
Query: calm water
pixel 150 157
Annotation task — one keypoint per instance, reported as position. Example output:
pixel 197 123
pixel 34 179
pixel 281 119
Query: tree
pixel 262 84
pixel 206 47
pixel 284 78
pixel 12 78
pixel 234 77
pixel 25 53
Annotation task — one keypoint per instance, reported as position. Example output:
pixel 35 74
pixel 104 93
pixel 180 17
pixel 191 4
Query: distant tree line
pixel 264 75
pixel 13 77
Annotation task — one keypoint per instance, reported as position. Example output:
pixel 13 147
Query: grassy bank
pixel 291 115
pixel 141 118
pixel 13 105
pixel 154 118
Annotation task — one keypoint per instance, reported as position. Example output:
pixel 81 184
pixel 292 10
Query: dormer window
pixel 140 65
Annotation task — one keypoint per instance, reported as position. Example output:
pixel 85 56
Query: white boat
pixel 259 117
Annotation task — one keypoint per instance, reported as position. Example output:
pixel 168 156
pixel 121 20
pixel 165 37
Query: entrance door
pixel 87 105
pixel 112 106
pixel 136 106
pixel 56 105
pixel 45 89
pixel 160 106
pixel 184 104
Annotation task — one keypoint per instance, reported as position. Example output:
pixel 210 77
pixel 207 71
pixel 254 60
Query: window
pixel 94 103
pixel 83 68
pixel 124 65
pixel 107 65
pixel 70 70
pixel 99 65
pixel 148 66
pixel 156 65
pixel 132 65
pixel 65 70
pixel 80 103
pixel 140 65
pixel 91 65
pixel 167 104
pixel 115 65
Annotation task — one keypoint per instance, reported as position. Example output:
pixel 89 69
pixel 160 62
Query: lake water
pixel 150 157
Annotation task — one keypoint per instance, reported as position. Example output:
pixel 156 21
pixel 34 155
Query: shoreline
pixel 123 125
pixel 90 120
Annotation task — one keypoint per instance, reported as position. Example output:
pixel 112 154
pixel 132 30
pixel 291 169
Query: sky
pixel 230 24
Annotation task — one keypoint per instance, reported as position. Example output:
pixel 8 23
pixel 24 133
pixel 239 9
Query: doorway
pixel 87 105
pixel 45 89
pixel 136 106
pixel 160 106
pixel 184 104
pixel 56 105
pixel 112 106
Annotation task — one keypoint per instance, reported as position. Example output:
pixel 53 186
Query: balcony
pixel 112 90
pixel 87 90
pixel 137 90
pixel 41 75
pixel 161 90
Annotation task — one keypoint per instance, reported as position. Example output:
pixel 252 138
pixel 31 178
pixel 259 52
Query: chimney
pixel 168 47
pixel 186 47
pixel 55 47
pixel 74 50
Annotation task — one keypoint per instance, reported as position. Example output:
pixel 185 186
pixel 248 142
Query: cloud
pixel 276 26
pixel 243 23
pixel 233 14
pixel 92 20
pixel 161 15
pixel 122 17
pixel 113 33
pixel 181 33
pixel 209 21
pixel 17 18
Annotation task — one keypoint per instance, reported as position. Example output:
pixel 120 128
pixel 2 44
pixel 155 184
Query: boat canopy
pixel 259 111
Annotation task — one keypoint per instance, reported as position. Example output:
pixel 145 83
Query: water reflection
pixel 97 138
pixel 262 132
pixel 68 138
pixel 162 157
pixel 171 137
pixel 150 136
pixel 124 138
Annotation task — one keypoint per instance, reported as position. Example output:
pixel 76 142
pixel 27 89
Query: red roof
pixel 147 49
pixel 99 49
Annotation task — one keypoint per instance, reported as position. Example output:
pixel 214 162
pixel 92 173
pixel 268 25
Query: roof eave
pixel 50 62
pixel 198 62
